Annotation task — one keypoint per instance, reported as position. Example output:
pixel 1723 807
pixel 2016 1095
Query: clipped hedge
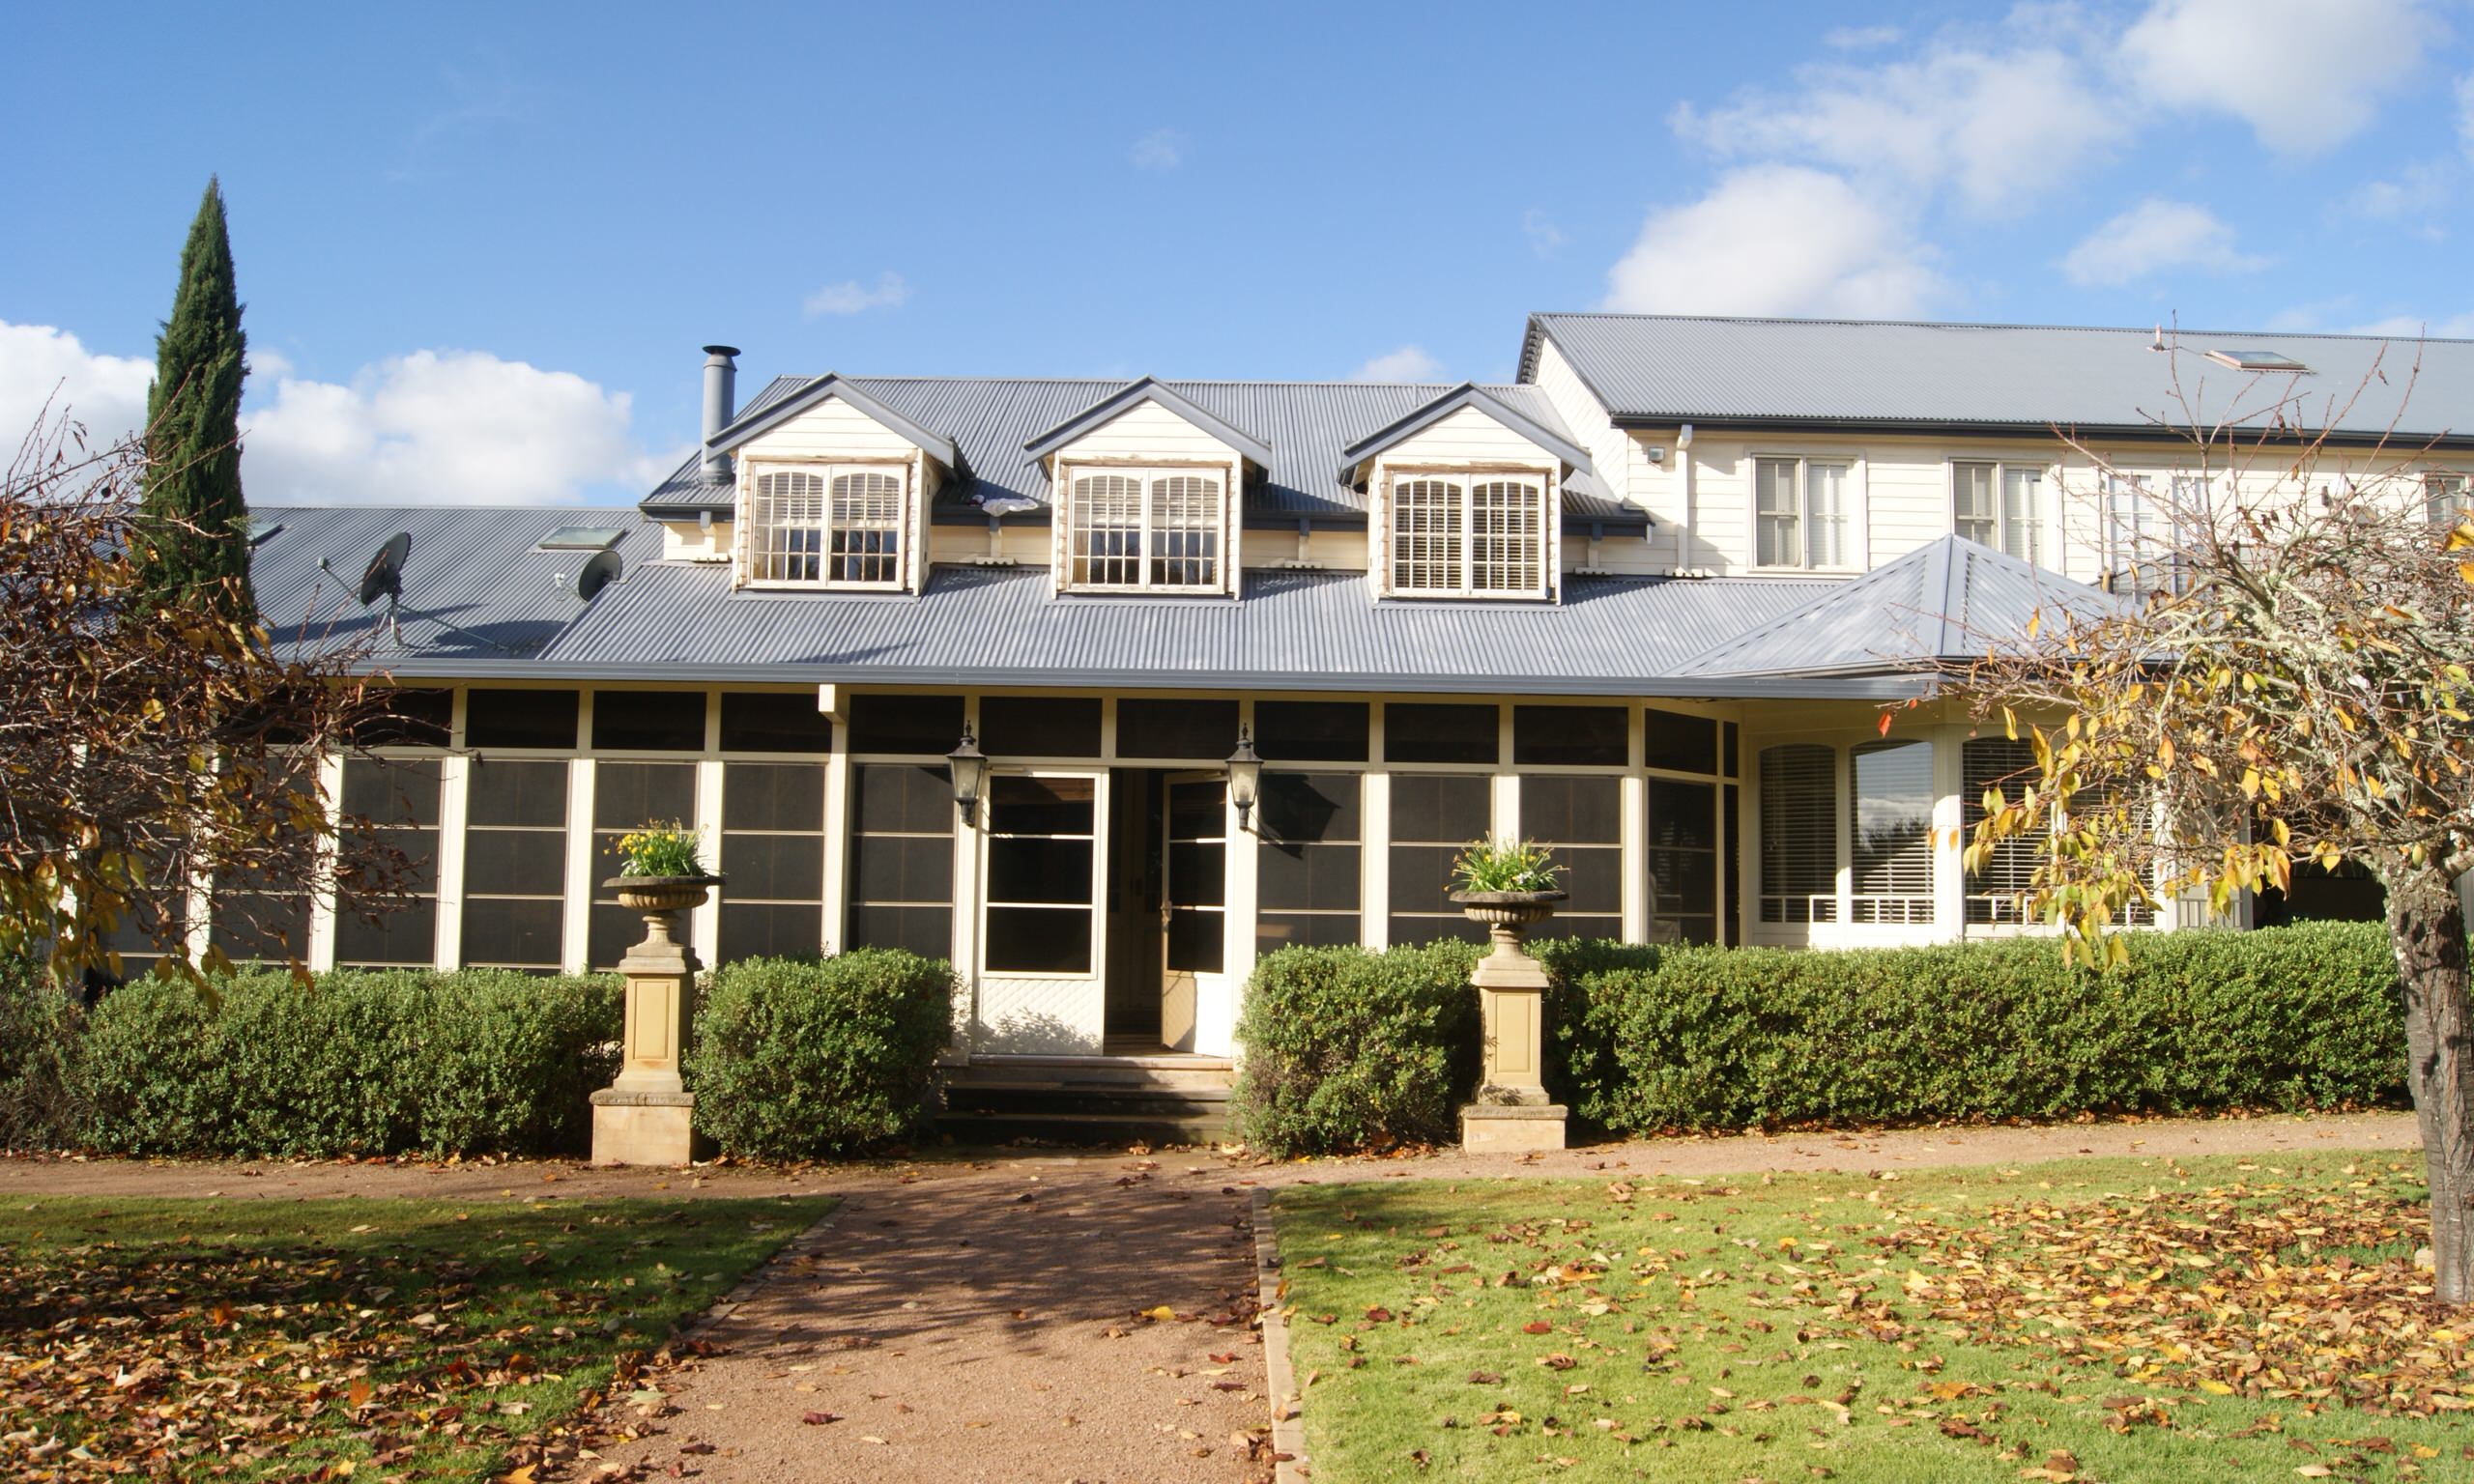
pixel 478 1061
pixel 799 1058
pixel 2304 1016
pixel 1350 1049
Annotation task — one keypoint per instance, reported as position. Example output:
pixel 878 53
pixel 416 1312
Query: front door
pixel 1194 897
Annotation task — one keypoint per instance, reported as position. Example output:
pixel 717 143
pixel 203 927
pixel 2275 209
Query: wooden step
pixel 973 1127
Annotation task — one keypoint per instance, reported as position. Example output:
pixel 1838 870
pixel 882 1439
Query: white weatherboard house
pixel 1643 605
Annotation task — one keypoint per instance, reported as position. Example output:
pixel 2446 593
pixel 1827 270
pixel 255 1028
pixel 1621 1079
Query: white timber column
pixel 1635 830
pixel 575 907
pixel 1950 834
pixel 837 842
pixel 705 924
pixel 322 874
pixel 454 796
pixel 1506 780
pixel 1374 847
pixel 966 872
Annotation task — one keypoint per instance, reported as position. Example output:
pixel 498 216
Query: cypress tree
pixel 200 546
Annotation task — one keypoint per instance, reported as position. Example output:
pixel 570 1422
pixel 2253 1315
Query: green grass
pixel 416 1340
pixel 2060 1321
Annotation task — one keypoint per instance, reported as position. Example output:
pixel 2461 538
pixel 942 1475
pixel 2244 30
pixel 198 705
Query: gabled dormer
pixel 1146 491
pixel 830 490
pixel 1465 499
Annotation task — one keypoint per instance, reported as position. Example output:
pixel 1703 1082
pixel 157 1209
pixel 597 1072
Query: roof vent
pixel 2258 360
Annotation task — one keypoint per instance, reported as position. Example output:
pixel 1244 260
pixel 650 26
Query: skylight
pixel 582 538
pixel 2256 360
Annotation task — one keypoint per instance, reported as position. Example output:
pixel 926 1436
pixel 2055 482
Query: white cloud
pixel 1546 239
pixel 434 427
pixel 1776 240
pixel 1859 38
pixel 1162 148
pixel 2465 111
pixel 2303 74
pixel 2407 327
pixel 1408 363
pixel 1960 115
pixel 851 297
pixel 44 367
pixel 2150 237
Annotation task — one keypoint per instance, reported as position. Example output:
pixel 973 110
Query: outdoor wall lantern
pixel 969 767
pixel 1244 775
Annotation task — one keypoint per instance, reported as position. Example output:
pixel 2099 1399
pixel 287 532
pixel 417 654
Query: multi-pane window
pixel 902 858
pixel 1459 535
pixel 2445 500
pixel 1581 818
pixel 1997 892
pixel 1042 835
pixel 1682 861
pixel 831 526
pixel 1144 529
pixel 1434 816
pixel 1999 505
pixel 1799 833
pixel 2143 539
pixel 1308 862
pixel 400 801
pixel 774 854
pixel 515 864
pixel 627 796
pixel 1800 513
pixel 1890 831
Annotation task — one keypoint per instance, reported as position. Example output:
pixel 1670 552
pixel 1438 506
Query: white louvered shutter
pixel 1890 831
pixel 1799 833
pixel 1995 892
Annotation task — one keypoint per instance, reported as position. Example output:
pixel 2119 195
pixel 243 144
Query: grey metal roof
pixel 476 589
pixel 1947 601
pixel 1293 630
pixel 1148 389
pixel 1825 372
pixel 1466 394
pixel 1304 424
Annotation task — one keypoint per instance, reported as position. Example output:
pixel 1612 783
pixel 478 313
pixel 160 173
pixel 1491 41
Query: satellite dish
pixel 1008 504
pixel 599 571
pixel 385 573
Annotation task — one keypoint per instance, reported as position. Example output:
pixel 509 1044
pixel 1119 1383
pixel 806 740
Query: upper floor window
pixel 1145 528
pixel 1800 513
pixel 831 526
pixel 1461 535
pixel 2000 506
pixel 2145 540
pixel 2445 500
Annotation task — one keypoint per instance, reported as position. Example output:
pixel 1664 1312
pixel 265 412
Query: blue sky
pixel 480 245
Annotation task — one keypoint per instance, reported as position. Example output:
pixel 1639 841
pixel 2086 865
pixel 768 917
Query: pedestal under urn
pixel 1512 1111
pixel 645 1115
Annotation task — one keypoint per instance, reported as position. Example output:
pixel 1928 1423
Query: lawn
pixel 329 1339
pixel 2117 1320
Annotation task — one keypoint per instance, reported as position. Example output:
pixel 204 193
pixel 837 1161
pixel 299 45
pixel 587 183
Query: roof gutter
pixel 2104 432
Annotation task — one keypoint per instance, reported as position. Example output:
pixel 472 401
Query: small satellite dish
pixel 599 571
pixel 385 573
pixel 1008 504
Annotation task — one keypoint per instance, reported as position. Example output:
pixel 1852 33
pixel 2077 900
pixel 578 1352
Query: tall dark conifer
pixel 201 544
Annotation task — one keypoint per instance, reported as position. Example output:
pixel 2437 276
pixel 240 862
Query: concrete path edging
pixel 1289 1463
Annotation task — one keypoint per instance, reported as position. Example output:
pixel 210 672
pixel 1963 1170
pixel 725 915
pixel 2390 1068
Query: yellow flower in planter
pixel 664 849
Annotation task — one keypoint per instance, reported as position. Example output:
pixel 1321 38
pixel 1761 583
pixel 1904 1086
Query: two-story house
pixel 1100 689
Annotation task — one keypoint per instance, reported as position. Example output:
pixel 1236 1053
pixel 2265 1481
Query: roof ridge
pixel 1164 380
pixel 2097 330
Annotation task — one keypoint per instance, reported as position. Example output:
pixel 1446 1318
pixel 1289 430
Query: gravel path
pixel 980 1316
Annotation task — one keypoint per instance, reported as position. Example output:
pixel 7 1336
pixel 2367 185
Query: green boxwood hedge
pixel 799 1058
pixel 479 1061
pixel 1350 1049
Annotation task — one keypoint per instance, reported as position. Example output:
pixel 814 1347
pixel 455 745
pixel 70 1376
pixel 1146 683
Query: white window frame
pixel 1848 519
pixel 2038 526
pixel 1148 531
pixel 754 557
pixel 1466 539
pixel 2447 498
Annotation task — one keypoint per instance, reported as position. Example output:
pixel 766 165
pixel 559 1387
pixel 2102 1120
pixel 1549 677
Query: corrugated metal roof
pixel 1658 368
pixel 1306 424
pixel 475 587
pixel 1950 600
pixel 1293 630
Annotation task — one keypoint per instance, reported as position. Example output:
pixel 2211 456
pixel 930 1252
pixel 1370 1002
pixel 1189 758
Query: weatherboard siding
pixel 1147 430
pixel 832 429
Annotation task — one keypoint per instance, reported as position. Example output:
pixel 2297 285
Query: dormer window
pixel 827 526
pixel 1137 529
pixel 1468 533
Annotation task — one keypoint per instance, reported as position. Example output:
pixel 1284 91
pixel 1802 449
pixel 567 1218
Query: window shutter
pixel 1890 831
pixel 1507 539
pixel 1430 551
pixel 1995 893
pixel 1799 833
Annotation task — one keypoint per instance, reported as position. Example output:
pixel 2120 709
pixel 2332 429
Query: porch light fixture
pixel 969 767
pixel 1244 775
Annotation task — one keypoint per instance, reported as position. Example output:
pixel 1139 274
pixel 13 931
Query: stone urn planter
pixel 645 1115
pixel 1513 1111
